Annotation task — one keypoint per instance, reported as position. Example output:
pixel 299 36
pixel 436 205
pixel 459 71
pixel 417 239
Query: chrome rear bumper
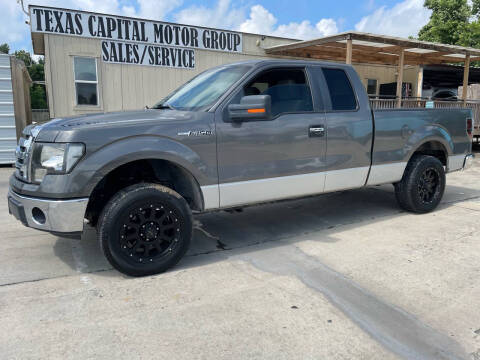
pixel 61 216
pixel 468 161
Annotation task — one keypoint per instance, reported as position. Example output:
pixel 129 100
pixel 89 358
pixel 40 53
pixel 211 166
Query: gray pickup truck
pixel 235 135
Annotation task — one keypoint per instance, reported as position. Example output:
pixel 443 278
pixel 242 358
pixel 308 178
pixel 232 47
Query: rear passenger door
pixel 349 127
pixel 278 158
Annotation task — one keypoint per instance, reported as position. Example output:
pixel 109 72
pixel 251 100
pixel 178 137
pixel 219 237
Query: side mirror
pixel 251 108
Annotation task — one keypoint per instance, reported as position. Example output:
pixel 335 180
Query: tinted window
pixel 341 92
pixel 287 88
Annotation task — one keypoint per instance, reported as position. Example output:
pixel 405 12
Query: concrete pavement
pixel 340 276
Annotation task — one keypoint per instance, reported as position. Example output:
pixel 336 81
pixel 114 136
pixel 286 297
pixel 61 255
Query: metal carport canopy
pixel 375 49
pixel 368 48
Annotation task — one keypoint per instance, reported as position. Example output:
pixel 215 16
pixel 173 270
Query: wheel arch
pixel 434 147
pixel 145 169
pixel 433 140
pixel 140 159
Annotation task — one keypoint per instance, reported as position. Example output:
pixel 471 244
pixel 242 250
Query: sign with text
pixel 121 29
pixel 121 52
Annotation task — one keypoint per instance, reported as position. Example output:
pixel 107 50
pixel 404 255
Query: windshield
pixel 203 90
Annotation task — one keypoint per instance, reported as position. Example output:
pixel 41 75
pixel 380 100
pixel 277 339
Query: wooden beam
pixel 340 54
pixel 466 69
pixel 420 82
pixel 307 43
pixel 348 57
pixel 370 49
pixel 401 59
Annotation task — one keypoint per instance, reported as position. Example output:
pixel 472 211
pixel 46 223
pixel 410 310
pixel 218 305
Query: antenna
pixel 20 2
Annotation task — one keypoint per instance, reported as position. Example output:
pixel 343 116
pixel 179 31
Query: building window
pixel 372 86
pixel 86 80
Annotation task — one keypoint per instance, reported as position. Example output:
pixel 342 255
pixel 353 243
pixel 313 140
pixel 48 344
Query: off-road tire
pixel 415 194
pixel 127 237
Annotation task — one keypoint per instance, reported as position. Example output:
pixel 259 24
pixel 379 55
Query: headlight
pixel 54 158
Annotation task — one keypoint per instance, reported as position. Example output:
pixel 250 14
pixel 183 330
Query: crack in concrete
pixel 53 277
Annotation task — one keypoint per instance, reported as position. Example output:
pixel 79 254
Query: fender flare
pixel 145 147
pixel 431 133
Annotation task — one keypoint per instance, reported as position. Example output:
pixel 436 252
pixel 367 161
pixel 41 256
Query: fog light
pixel 38 216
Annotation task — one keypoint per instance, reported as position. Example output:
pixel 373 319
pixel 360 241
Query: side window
pixel 86 81
pixel 287 88
pixel 341 92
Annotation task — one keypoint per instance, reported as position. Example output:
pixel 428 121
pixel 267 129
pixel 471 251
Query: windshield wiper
pixel 164 106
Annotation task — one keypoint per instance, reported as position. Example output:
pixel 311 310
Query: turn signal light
pixel 254 111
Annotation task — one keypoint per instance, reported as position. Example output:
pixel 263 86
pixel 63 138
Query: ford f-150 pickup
pixel 235 135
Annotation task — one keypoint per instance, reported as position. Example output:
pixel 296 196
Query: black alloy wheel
pixel 145 229
pixel 149 232
pixel 428 185
pixel 422 186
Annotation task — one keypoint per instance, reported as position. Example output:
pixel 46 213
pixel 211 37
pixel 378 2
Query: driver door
pixel 281 157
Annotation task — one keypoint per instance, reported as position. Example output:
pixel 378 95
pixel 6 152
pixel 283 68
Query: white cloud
pixel 223 15
pixel 404 19
pixel 151 9
pixel 12 24
pixel 259 21
pixel 305 30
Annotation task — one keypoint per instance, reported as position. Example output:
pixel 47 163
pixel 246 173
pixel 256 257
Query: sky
pixel 298 19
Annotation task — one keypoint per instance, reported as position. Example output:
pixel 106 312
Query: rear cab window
pixel 342 96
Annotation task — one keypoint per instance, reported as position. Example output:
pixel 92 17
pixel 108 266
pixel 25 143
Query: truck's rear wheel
pixel 145 229
pixel 422 186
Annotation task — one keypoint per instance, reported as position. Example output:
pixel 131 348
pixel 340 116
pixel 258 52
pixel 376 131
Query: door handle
pixel 316 131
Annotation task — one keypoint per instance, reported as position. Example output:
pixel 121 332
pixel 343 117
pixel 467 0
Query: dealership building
pixel 100 63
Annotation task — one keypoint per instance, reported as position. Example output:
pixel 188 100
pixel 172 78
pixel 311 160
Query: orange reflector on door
pixel 256 110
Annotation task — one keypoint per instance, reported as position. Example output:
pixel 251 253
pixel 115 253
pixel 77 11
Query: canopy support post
pixel 348 59
pixel 401 60
pixel 466 70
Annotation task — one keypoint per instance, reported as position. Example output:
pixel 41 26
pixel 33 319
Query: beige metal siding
pixel 387 74
pixel 126 87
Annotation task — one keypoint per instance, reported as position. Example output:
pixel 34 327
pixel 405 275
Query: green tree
pixel 36 72
pixel 453 22
pixel 25 57
pixel 4 48
pixel 38 96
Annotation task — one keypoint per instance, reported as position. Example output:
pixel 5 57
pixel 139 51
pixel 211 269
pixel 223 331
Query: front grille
pixel 23 154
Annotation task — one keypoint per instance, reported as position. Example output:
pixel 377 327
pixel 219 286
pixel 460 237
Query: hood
pixel 49 131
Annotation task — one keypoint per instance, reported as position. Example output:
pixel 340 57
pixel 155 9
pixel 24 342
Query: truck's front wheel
pixel 145 229
pixel 422 186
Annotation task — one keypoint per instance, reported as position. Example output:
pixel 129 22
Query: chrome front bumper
pixel 62 216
